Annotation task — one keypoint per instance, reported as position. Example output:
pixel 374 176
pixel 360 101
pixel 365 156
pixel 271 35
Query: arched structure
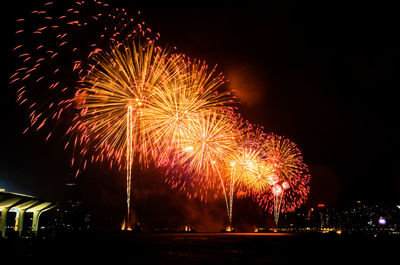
pixel 21 204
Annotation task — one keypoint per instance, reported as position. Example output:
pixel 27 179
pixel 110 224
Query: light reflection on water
pixel 205 248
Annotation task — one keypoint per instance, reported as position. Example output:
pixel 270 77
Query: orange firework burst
pixel 247 161
pixel 284 157
pixel 190 90
pixel 113 99
pixel 202 153
pixel 205 148
pixel 191 109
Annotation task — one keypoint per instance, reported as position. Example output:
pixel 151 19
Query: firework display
pixel 123 98
pixel 290 176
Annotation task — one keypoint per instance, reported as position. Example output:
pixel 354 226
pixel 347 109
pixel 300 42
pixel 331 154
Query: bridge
pixel 21 205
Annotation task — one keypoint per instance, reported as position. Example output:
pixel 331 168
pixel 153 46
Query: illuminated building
pixel 358 218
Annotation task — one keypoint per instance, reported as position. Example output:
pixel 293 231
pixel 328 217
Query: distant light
pixel 321 205
pixel 382 221
pixel 398 206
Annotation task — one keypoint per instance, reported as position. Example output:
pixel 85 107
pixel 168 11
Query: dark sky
pixel 324 74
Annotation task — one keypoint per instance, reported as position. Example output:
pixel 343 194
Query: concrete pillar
pixel 20 221
pixel 35 222
pixel 3 221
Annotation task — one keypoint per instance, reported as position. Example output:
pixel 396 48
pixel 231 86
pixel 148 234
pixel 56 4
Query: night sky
pixel 322 74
